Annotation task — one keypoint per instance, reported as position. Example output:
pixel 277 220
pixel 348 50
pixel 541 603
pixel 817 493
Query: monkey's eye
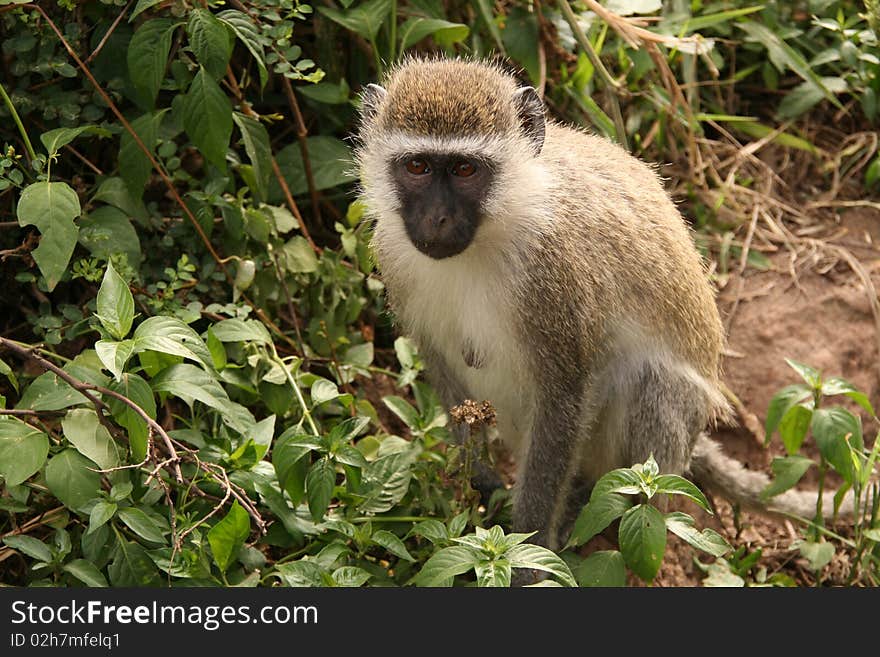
pixel 463 169
pixel 418 167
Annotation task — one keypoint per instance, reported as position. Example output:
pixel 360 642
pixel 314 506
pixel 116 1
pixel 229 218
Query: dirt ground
pixel 811 307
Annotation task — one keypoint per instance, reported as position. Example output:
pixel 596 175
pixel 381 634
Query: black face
pixel 441 198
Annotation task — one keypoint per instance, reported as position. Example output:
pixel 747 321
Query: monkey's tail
pixel 712 468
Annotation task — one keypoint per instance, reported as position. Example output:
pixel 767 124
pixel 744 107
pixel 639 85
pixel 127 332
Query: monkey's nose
pixel 440 221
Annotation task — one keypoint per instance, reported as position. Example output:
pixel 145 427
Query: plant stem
pixel 15 117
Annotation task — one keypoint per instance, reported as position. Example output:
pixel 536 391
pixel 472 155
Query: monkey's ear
pixel 371 97
pixel 530 109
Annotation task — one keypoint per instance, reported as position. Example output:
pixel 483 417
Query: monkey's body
pixel 573 298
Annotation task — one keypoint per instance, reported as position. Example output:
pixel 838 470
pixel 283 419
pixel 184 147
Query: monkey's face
pixel 441 198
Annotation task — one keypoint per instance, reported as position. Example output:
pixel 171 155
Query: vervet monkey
pixel 546 270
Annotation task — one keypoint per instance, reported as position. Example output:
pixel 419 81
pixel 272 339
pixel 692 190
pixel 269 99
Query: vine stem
pixel 15 117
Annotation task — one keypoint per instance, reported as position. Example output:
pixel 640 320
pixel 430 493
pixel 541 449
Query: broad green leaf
pixel 818 554
pixel 51 207
pixel 540 558
pixel 115 304
pixel 114 355
pixel 132 567
pixel 347 430
pixel 261 434
pixel 259 152
pixel 494 573
pixel 365 19
pixel 331 162
pixel 115 192
pixel 55 140
pixel 141 524
pixel 320 482
pixel 391 543
pixel 100 514
pixel 386 480
pixel 300 573
pixel 720 575
pixel 784 56
pixel 91 438
pixel 241 330
pixel 107 232
pixel 786 139
pixel 622 480
pixel 48 392
pixel 794 426
pixel 803 97
pixel 602 569
pixel 71 477
pixel 170 335
pixel 30 546
pixel 520 37
pixel 228 536
pixel 682 525
pixel 134 165
pixel 697 23
pixel 832 427
pixel 210 41
pixel 137 390
pixel 323 390
pixel 676 485
pixel 148 56
pixel 207 118
pixel 328 93
pixel 445 33
pixel 191 383
pixel 402 409
pixel 290 465
pixel 23 450
pixel 446 564
pixel 86 572
pixel 434 530
pixel 786 472
pixel 642 540
pixel 837 386
pixel 597 515
pixel 359 355
pixel 249 35
pixel 781 403
pixel 6 371
pixel 298 256
pixel 809 374
pixel 350 576
pixel 218 351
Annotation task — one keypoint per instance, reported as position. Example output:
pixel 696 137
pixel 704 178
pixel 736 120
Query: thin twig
pixel 302 137
pixel 109 32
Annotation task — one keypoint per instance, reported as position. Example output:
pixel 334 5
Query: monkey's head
pixel 437 146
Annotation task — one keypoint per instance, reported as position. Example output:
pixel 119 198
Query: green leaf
pixel 331 163
pixel 170 335
pixel 114 355
pixel 107 232
pixel 141 524
pixel 446 564
pixel 794 426
pixel 831 426
pixel 623 480
pixel 787 472
pixel 259 152
pixel 228 536
pixel 137 390
pixel 520 37
pixel 209 41
pixel 781 403
pixel 55 140
pixel 190 383
pixel 818 554
pixel 115 192
pixel 402 409
pixel 642 540
pixel 298 256
pixel 290 466
pixel 676 485
pixel 366 19
pixel 807 373
pixel 71 477
pixel 134 165
pixel 682 525
pixel 385 481
pixel 86 572
pixel 720 575
pixel 494 573
pixel 300 573
pixel 602 569
pixel 238 330
pixel 328 93
pixel 91 439
pixel 323 391
pixel 142 6
pixel 445 33
pixel 132 567
pixel 786 139
pixel 6 371
pixel 23 450
pixel 434 530
pixel 392 543
pixel 837 386
pixel 48 392
pixel 100 514
pixel 784 56
pixel 30 546
pixel 115 304
pixel 147 57
pixel 207 118
pixel 249 35
pixel 597 515
pixel 320 482
pixel 350 576
pixel 803 97
pixel 51 207
pixel 540 558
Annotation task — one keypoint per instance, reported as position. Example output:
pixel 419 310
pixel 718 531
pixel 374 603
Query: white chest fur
pixel 458 305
